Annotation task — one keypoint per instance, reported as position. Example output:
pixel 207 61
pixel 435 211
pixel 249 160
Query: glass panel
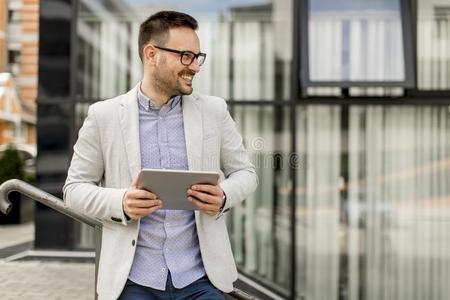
pixel 260 226
pixel 318 229
pixel 374 210
pixel 355 40
pixel 248 43
pixel 433 44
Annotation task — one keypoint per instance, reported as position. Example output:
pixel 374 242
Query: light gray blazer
pixel 107 157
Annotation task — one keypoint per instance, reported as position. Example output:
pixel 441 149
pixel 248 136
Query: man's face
pixel 171 76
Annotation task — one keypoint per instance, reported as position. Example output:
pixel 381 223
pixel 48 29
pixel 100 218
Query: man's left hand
pixel 208 198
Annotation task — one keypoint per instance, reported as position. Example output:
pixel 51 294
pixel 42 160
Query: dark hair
pixel 156 27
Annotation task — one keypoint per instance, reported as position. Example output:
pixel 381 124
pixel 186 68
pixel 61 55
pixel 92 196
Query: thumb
pixel 135 182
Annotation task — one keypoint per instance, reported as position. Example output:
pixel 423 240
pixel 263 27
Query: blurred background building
pixel 19 24
pixel 344 106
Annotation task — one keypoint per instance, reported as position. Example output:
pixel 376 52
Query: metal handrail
pixel 32 192
pixel 16 185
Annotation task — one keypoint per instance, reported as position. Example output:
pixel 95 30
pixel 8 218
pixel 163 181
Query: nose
pixel 194 66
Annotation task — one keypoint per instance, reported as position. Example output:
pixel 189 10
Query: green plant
pixel 11 165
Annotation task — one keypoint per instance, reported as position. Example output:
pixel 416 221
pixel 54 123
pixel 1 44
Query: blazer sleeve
pixel 82 190
pixel 240 174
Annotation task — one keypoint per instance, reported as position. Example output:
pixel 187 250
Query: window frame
pixel 409 61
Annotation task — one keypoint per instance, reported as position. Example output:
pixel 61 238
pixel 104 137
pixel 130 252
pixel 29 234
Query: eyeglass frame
pixel 182 53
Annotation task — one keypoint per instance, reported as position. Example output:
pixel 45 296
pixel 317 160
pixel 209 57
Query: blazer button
pixel 133 242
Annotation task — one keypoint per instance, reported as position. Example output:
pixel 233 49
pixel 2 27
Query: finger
pixel 135 182
pixel 137 213
pixel 147 211
pixel 153 209
pixel 202 205
pixel 203 196
pixel 208 188
pixel 143 203
pixel 141 194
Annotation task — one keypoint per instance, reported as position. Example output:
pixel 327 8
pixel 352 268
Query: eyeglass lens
pixel 187 58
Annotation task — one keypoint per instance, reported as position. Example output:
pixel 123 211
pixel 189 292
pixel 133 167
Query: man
pixel 148 252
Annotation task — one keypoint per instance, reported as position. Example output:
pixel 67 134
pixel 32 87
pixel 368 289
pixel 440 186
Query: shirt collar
pixel 148 104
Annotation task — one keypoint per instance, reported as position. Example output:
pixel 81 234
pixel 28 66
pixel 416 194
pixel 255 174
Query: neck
pixel 158 97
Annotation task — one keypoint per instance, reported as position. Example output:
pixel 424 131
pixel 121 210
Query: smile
pixel 187 77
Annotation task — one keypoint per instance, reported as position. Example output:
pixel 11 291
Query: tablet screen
pixel 171 185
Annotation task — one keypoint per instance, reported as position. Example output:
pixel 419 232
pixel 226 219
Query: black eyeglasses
pixel 187 57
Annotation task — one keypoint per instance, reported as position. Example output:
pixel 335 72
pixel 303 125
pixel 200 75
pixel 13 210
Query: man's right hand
pixel 139 203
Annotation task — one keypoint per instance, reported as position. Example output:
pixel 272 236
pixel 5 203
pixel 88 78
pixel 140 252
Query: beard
pixel 172 84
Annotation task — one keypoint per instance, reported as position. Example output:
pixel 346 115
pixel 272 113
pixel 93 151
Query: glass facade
pixel 353 200
pixel 433 45
pixel 355 41
pixel 373 212
pixel 260 226
pixel 248 45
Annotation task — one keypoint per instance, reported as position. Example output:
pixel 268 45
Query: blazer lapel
pixel 129 124
pixel 193 131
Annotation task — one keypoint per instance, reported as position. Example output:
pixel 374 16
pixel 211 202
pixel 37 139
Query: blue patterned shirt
pixel 167 238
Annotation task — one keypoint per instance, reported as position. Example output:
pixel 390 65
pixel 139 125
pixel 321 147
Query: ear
pixel 149 54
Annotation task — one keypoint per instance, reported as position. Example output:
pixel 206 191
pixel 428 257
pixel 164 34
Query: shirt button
pixel 133 242
pixel 163 269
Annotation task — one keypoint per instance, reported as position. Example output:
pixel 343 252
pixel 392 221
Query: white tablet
pixel 171 185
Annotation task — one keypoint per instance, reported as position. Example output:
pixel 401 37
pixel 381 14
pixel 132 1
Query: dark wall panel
pixel 54 230
pixel 54 48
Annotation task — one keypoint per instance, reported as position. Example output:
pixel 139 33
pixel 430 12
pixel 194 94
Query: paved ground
pixel 11 235
pixel 39 280
pixel 35 280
